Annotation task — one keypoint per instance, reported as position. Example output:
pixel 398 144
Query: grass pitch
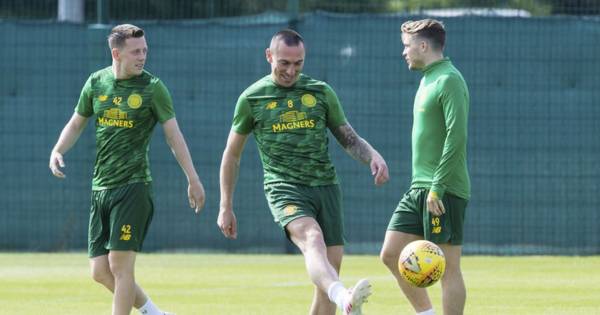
pixel 195 284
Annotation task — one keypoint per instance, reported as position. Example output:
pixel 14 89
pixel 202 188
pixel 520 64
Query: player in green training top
pixel 434 207
pixel 289 114
pixel 127 102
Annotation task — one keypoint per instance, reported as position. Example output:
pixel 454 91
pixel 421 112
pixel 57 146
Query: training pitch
pixel 203 284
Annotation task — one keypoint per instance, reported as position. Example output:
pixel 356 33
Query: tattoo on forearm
pixel 356 146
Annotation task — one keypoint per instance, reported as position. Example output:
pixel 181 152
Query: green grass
pixel 34 284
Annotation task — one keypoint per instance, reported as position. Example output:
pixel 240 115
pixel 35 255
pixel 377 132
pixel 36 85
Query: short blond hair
pixel 120 33
pixel 430 29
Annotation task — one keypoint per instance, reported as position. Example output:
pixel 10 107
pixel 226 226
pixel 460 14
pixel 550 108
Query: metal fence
pixel 532 140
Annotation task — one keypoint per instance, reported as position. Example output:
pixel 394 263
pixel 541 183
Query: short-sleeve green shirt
pixel 290 128
pixel 126 112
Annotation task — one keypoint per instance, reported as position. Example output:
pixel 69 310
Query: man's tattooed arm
pixel 356 146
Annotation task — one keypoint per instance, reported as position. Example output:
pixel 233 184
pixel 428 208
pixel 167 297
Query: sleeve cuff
pixel 437 191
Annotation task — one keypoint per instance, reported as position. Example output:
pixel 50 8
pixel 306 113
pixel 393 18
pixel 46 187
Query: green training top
pixel 439 134
pixel 126 111
pixel 290 128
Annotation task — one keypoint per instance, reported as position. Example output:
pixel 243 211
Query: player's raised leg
pixel 390 253
pixel 321 304
pixel 307 235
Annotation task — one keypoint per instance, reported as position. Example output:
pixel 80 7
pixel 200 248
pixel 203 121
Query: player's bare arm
pixel 66 140
pixel 176 142
pixel 362 151
pixel 230 165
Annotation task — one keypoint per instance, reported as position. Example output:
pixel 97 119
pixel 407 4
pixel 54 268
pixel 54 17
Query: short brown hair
pixel 120 33
pixel 430 29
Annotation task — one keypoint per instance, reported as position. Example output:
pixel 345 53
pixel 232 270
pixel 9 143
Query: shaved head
pixel 286 56
pixel 290 37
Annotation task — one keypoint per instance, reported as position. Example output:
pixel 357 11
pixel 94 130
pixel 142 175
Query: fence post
pixel 102 7
pixel 71 11
pixel 293 9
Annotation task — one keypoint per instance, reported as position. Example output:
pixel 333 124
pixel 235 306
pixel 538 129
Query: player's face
pixel 413 51
pixel 286 63
pixel 133 56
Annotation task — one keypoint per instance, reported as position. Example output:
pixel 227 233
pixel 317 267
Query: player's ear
pixel 423 45
pixel 269 55
pixel 114 53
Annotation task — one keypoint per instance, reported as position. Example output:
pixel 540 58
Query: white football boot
pixel 356 296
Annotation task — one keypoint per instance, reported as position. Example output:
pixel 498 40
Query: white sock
pixel 427 312
pixel 336 292
pixel 150 309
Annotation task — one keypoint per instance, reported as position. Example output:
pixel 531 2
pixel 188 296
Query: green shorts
pixel 411 216
pixel 323 203
pixel 119 218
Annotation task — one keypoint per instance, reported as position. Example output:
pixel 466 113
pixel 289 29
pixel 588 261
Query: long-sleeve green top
pixel 439 134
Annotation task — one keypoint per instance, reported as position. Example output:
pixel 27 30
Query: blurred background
pixel 531 65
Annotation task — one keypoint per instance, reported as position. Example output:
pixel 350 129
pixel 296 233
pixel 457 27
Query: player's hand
pixel 379 169
pixel 196 195
pixel 56 162
pixel 435 205
pixel 227 222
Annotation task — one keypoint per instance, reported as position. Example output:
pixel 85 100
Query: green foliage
pixel 576 7
pixel 199 9
pixel 28 9
pixel 535 7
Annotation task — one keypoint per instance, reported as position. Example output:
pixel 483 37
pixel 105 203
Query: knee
pixel 102 276
pixel 314 236
pixel 452 273
pixel 390 259
pixel 310 239
pixel 120 270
